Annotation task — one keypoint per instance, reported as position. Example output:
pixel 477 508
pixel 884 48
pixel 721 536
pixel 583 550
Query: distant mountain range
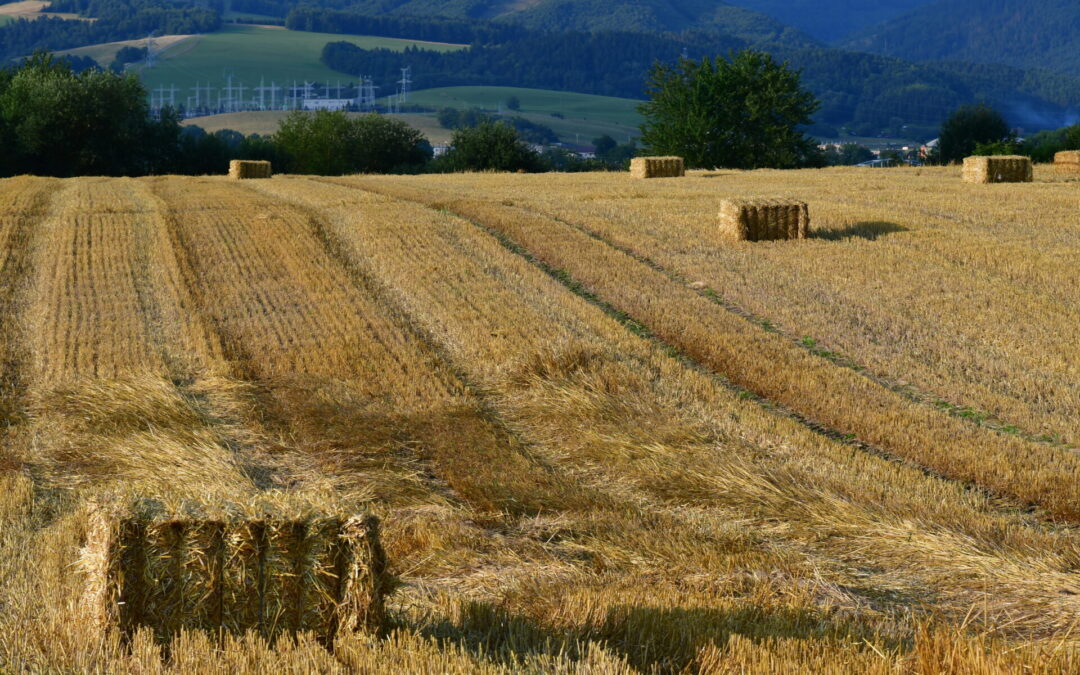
pixel 1025 33
pixel 1041 34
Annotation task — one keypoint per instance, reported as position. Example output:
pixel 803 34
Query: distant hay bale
pixel 997 169
pixel 243 168
pixel 1068 161
pixel 171 572
pixel 764 219
pixel 657 167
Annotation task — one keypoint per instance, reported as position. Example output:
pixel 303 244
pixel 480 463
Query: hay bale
pixel 764 219
pixel 243 168
pixel 274 575
pixel 997 169
pixel 657 167
pixel 1067 161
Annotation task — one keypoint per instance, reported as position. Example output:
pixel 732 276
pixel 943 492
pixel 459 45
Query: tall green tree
pixel 967 128
pixel 489 146
pixel 743 113
pixel 333 143
pixel 62 123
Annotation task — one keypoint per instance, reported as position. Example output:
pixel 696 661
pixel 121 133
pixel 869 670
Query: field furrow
pixel 612 409
pixel 597 439
pixel 24 199
pixel 912 275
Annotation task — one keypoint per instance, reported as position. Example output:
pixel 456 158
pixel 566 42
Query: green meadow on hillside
pixel 250 53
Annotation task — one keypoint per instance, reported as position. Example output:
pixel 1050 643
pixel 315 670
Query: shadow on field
pixel 869 230
pixel 650 639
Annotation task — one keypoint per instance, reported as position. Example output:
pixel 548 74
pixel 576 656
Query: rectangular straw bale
pixel 764 219
pixel 273 575
pixel 243 168
pixel 997 169
pixel 1067 160
pixel 657 167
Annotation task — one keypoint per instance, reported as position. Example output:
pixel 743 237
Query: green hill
pixel 1022 33
pixel 582 117
pixel 831 20
pixel 251 53
pixel 536 101
pixel 647 16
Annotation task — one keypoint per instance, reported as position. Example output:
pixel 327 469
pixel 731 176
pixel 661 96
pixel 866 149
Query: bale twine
pixel 657 167
pixel 764 219
pixel 243 168
pixel 171 572
pixel 997 169
pixel 1067 161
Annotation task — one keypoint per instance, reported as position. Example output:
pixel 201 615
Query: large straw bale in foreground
pixel 231 573
pixel 764 219
pixel 997 169
pixel 1068 160
pixel 657 167
pixel 242 168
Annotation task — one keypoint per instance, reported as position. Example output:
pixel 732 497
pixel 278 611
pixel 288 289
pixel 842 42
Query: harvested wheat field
pixel 597 434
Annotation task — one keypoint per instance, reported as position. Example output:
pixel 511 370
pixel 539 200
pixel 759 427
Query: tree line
pixel 862 94
pixel 745 111
pixel 114 20
pixel 325 20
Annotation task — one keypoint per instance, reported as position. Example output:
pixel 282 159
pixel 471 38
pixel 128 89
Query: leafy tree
pixel 611 154
pixel 490 146
pixel 853 153
pixel 969 126
pixel 332 144
pixel 604 144
pixel 741 113
pixel 1009 146
pixel 128 54
pixel 513 103
pixel 61 123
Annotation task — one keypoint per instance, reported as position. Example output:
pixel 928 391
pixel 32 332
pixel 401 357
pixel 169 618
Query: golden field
pixel 599 437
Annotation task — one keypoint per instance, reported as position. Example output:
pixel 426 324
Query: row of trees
pixel 981 130
pixel 864 94
pixel 113 20
pixel 743 112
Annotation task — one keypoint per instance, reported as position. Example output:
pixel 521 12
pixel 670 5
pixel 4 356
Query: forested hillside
pixel 1026 33
pixel 831 20
pixel 869 94
pixel 112 20
pixel 592 15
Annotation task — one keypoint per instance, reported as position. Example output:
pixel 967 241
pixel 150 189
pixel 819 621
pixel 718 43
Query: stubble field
pixel 598 437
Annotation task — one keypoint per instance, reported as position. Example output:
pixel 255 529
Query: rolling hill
pixel 1024 33
pixel 253 53
pixel 647 16
pixel 580 117
pixel 831 20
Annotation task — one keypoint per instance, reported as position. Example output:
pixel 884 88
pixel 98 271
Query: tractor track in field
pixel 1008 499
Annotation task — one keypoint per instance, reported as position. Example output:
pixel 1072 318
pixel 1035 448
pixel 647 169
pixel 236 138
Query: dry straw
pixel 657 167
pixel 174 570
pixel 997 169
pixel 242 168
pixel 1068 160
pixel 764 219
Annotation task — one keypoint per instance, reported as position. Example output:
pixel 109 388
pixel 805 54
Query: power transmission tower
pixel 239 105
pixel 406 83
pixel 261 89
pixel 274 89
pixel 150 54
pixel 228 94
